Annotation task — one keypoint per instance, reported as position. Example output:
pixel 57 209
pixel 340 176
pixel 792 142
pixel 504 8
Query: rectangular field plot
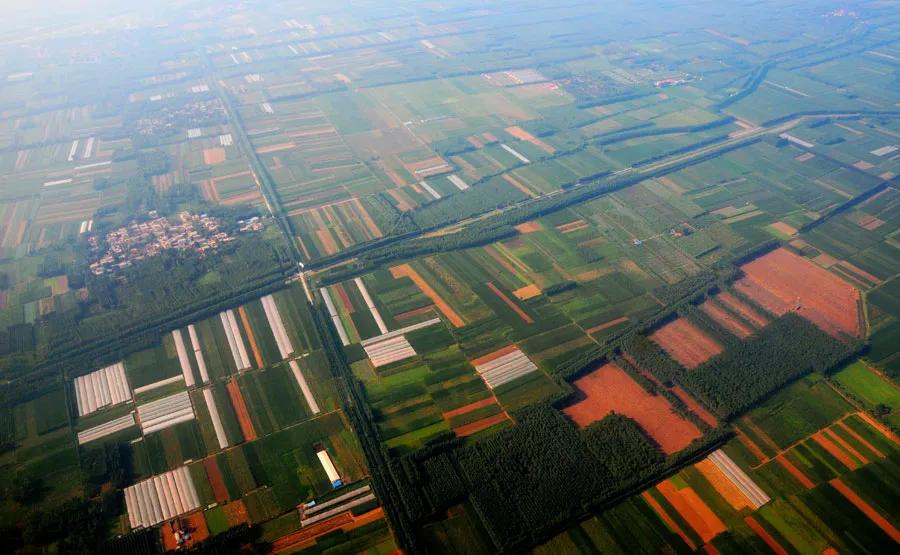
pixel 165 412
pixel 685 343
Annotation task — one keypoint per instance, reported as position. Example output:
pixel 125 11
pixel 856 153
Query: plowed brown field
pixel 685 343
pixel 725 319
pixel 240 410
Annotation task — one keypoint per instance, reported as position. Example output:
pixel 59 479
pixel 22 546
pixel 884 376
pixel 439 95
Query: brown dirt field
pixel 863 165
pixel 765 536
pixel 671 185
pixel 866 509
pixel 673 526
pixel 527 292
pixel 834 450
pixel 529 227
pixel 473 140
pixel 870 223
pixel 243 198
pixel 860 439
pixel 345 298
pixel 609 389
pixel 784 228
pixel 513 306
pixel 572 226
pixel 684 342
pixel 830 551
pixel 465 409
pixel 245 321
pixel 605 325
pixel 479 425
pixel 795 472
pixel 723 486
pixel 236 513
pixel 780 278
pixel 523 135
pixel 393 176
pixel 216 482
pixel 240 410
pixel 403 202
pixel 860 272
pixel 742 308
pixel 413 313
pixel 694 406
pixel 484 359
pixel 327 241
pixel 725 319
pixel 879 426
pixel 759 433
pixel 710 549
pixel 518 185
pixel 275 148
pixel 490 137
pixel 846 446
pixel 693 510
pixel 195 522
pixel 213 156
pixel 408 271
pixel 209 190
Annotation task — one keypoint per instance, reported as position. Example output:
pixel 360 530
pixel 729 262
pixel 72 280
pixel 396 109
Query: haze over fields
pixel 450 277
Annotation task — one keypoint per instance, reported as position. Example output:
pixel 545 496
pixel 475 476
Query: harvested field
pixel 240 410
pixel 834 450
pixel 523 135
pixel 765 536
pixel 781 281
pixel 725 319
pixel 101 388
pixel 693 510
pixel 513 306
pixel 684 342
pixel 165 412
pixel 479 425
pixel 876 517
pixel 505 368
pixel 213 156
pixel 161 498
pixel 405 270
pixel 245 322
pixel 746 311
pixel 609 389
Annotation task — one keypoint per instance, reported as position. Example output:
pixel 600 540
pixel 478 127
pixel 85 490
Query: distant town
pixel 126 245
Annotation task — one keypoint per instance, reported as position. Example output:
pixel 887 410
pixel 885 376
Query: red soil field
pixel 465 409
pixel 605 325
pixel 743 309
pixel 860 439
pixel 846 446
pixel 194 522
pixel 518 185
pixel 866 509
pixel 780 281
pixel 413 313
pixel 216 482
pixel 515 308
pixel 344 297
pixel 673 526
pixel 609 389
pixel 693 510
pixel 795 472
pixel 483 424
pixel 523 135
pixel 685 343
pixel 723 486
pixel 752 447
pixel 765 536
pixel 835 451
pixel 529 227
pixel 213 156
pixel 725 319
pixel 344 521
pixel 879 426
pixel 236 513
pixel 442 305
pixel 245 321
pixel 678 391
pixel 240 409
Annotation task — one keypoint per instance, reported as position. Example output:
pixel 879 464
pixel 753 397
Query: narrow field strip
pixel 339 509
pixel 474 427
pixel 795 472
pixel 405 270
pixel 304 387
pixel 157 385
pixel 458 182
pixel 229 336
pixel 319 507
pixel 401 331
pixel 371 305
pixel 221 437
pixel 515 153
pixel 254 347
pixel 285 347
pixel 332 311
pixel 765 536
pixel 165 412
pixel 430 190
pixel 198 354
pixel 183 359
pixel 693 510
pixel 664 516
pixel 866 509
pixel 161 498
pixel 739 478
pixel 513 306
pixel 240 410
pixel 106 429
pixel 101 388
pixel 723 485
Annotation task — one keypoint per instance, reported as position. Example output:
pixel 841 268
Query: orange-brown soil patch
pixel 795 472
pixel 879 426
pixel 394 177
pixel 852 433
pixel 518 185
pixel 673 526
pixel 870 223
pixel 275 148
pixel 523 135
pixel 344 297
pixel 693 510
pixel 723 486
pixel 742 308
pixel 866 509
pixel 725 319
pixel 609 389
pixel 209 190
pixel 765 536
pixel 213 156
pixel 310 533
pixel 194 522
pixel 408 271
pixel 473 140
pixel 846 446
pixel 529 227
pixel 781 281
pixel 404 204
pixel 490 357
pixel 527 292
pixel 572 226
pixel 605 325
pixel 216 482
pixel 465 409
pixel 834 450
pixel 500 260
pixel 240 410
pixel 710 549
pixel 513 306
pixel 483 424
pixel 490 137
pixel 415 312
pixel 685 343
pixel 671 185
pixel 859 272
pixel 863 165
pixel 236 513
pixel 243 198
pixel 327 241
pixel 251 337
pixel 784 228
pixel 760 433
